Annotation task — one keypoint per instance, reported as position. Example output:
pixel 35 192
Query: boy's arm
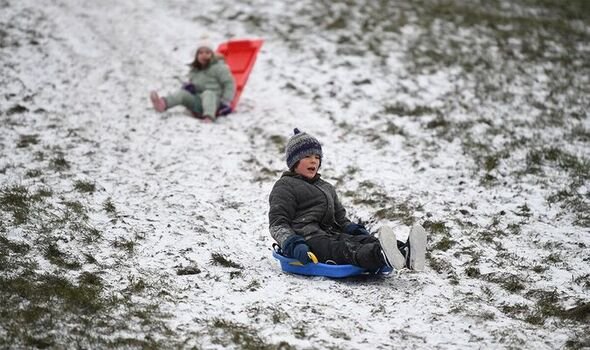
pixel 281 213
pixel 340 213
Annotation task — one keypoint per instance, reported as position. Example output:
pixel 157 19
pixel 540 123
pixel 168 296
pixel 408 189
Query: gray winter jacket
pixel 307 207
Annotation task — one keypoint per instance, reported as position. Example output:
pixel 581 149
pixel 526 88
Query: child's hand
pixel 356 229
pixel 295 247
pixel 190 87
pixel 301 253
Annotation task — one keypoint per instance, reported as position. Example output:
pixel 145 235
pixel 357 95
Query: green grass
pixel 219 259
pixel 27 140
pixel 59 163
pixel 85 186
pixel 17 200
pixel 230 334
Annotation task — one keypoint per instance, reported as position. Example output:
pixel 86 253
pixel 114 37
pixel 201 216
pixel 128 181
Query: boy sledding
pixel 308 221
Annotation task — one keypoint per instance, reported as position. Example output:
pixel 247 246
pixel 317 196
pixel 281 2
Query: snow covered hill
pixel 124 228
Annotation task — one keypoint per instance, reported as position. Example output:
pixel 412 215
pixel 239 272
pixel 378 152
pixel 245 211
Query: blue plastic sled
pixel 327 270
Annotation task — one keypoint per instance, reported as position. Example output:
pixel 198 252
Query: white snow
pixel 185 189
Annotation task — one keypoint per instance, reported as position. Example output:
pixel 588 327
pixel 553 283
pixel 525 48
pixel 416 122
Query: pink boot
pixel 158 102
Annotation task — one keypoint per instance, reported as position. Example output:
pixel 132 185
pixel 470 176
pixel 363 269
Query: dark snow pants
pixel 342 249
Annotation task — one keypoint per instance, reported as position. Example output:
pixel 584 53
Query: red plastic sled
pixel 240 56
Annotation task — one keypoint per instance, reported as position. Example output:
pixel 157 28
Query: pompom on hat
pixel 301 145
pixel 204 43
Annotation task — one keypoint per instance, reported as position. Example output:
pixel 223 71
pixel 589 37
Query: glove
pixel 190 87
pixel 295 247
pixel 224 109
pixel 356 229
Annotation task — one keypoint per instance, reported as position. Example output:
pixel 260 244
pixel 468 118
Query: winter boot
pixel 393 257
pixel 416 248
pixel 158 102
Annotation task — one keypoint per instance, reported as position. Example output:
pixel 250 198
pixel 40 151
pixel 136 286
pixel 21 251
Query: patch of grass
pixel 278 316
pixel 27 140
pixel 440 265
pixel 85 186
pixel 109 206
pixel 547 306
pixel 392 129
pixel 510 282
pixel 540 268
pixel 188 270
pixel 515 310
pixel 279 141
pixel 552 258
pixel 402 110
pixel 472 272
pixel 230 334
pixel 573 202
pixel 523 210
pixel 438 122
pixel 124 244
pixel 17 200
pixel 218 259
pixel 16 109
pixel 436 227
pixel 59 163
pixel 59 258
pixel 583 280
pixel 33 173
pixel 444 244
pixel 76 208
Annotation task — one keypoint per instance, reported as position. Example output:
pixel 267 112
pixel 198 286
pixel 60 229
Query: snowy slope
pixel 189 194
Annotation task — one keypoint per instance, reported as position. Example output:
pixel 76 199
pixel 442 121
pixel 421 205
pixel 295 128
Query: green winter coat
pixel 215 77
pixel 306 207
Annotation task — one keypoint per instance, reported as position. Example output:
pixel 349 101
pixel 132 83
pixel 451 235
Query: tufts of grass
pixel 124 244
pixel 440 265
pixel 393 129
pixel 230 334
pixel 17 200
pixel 402 110
pixel 218 259
pixel 444 244
pixel 74 209
pixel 369 194
pixel 59 163
pixel 109 206
pixel 510 282
pixel 33 173
pixel 27 140
pixel 59 258
pixel 436 227
pixel 279 142
pixel 573 202
pixel 85 186
pixel 472 272
pixel 188 270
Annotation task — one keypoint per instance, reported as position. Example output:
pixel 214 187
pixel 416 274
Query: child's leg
pixel 185 98
pixel 210 100
pixel 363 251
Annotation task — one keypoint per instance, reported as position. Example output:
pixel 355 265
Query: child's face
pixel 204 55
pixel 308 166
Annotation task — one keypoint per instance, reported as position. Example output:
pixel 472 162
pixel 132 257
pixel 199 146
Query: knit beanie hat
pixel 301 145
pixel 204 42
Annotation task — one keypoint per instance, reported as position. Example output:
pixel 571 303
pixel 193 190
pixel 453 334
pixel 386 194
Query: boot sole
pixel 417 248
pixel 388 243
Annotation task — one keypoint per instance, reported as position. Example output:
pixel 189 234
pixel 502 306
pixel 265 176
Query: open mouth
pixel 311 169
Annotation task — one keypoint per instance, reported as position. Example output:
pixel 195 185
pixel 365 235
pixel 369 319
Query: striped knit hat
pixel 301 145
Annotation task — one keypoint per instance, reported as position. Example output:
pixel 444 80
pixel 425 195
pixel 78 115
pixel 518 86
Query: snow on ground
pixel 75 81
